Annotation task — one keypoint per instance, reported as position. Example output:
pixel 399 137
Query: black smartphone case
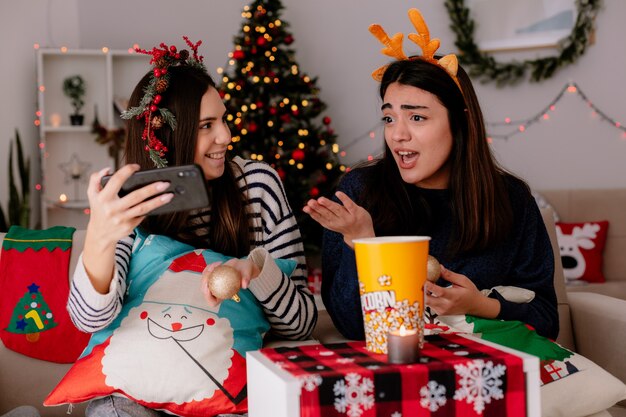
pixel 186 182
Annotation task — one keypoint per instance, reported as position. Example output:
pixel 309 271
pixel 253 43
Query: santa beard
pixel 152 355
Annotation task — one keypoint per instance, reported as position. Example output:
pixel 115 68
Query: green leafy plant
pixel 19 198
pixel 74 88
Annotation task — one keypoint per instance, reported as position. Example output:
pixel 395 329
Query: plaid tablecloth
pixel 455 376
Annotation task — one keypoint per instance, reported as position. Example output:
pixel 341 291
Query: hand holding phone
pixel 186 182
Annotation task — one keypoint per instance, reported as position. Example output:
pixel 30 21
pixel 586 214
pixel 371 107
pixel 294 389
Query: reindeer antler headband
pixel 393 47
pixel 148 109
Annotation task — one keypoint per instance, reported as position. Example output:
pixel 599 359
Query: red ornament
pixel 273 111
pixel 295 112
pixel 238 54
pixel 157 99
pixel 260 105
pixel 326 120
pixel 286 118
pixel 314 192
pixel 153 108
pixel 288 40
pixel 173 49
pixel 252 127
pixel 261 41
pixel 281 173
pixel 298 155
pixel 157 72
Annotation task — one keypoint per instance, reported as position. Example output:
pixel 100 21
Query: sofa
pixel 585 318
pixel 595 205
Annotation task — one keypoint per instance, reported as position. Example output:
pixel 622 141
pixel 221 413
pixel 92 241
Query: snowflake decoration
pixel 353 395
pixel 310 382
pixel 480 383
pixel 433 396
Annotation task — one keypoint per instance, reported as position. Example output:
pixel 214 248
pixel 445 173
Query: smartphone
pixel 186 182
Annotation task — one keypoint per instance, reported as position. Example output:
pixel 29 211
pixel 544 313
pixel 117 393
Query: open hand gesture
pixel 348 218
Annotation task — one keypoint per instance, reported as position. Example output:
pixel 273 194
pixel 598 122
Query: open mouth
pixel 407 157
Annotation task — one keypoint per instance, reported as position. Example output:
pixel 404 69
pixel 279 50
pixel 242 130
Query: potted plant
pixel 74 88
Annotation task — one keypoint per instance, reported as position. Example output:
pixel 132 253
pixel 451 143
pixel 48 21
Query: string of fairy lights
pixel 522 125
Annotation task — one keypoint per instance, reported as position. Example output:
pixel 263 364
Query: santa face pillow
pixel 168 349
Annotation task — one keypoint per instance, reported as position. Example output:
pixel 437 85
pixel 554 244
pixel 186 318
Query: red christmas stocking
pixel 34 280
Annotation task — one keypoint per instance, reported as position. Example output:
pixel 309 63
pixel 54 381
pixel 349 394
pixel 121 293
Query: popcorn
pixel 378 322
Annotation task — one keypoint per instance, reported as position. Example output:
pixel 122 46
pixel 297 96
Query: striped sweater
pixel 288 304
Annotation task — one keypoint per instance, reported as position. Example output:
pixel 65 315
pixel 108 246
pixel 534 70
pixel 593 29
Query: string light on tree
pixel 280 118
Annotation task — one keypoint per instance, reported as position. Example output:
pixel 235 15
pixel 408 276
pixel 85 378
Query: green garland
pixel 487 69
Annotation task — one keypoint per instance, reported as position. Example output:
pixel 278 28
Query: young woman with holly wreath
pixel 176 117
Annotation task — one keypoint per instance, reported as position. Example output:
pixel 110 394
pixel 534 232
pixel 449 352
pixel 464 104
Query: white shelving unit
pixel 65 149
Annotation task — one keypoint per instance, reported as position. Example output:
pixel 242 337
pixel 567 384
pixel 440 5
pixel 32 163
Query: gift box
pixel 455 375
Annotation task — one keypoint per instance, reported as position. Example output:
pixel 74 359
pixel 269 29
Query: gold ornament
pixel 433 269
pixel 224 283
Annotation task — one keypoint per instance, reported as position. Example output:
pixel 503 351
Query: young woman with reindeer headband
pixel 437 177
pixel 176 117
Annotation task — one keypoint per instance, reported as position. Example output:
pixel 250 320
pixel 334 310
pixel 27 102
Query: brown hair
pixel 481 209
pixel 229 228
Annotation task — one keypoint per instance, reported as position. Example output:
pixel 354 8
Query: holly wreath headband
pixel 163 57
pixel 393 47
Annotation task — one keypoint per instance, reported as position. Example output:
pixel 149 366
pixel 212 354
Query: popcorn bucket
pixel 392 272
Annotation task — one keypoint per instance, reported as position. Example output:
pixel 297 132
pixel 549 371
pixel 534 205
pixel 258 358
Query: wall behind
pixel 573 149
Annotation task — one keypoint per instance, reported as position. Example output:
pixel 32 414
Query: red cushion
pixel 582 247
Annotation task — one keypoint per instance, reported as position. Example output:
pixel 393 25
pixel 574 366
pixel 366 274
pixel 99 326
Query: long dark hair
pixel 481 209
pixel 229 230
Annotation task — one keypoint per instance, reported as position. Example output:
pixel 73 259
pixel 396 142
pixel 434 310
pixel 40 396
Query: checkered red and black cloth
pixel 455 376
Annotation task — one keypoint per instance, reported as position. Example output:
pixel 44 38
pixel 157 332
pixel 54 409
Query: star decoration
pixel 75 169
pixel 20 324
pixel 33 288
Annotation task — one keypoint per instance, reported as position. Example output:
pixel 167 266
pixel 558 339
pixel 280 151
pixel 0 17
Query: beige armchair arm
pixel 599 324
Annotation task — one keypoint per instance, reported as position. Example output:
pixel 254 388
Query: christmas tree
pixel 31 315
pixel 276 114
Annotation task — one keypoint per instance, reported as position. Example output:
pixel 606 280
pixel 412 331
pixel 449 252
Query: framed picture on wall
pixel 508 25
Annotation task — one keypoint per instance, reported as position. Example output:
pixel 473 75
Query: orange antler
pixel 422 37
pixel 393 45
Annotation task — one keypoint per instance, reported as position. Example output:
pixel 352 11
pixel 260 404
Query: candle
pixel 402 346
pixel 75 170
pixel 55 119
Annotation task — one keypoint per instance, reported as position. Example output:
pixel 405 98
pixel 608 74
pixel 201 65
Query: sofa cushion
pixel 168 349
pixel 582 250
pixel 571 385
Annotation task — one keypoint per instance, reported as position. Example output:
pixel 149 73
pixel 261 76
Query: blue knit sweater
pixel 524 260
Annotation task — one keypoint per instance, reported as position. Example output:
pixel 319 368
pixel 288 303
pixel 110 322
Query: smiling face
pixel 417 131
pixel 213 135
